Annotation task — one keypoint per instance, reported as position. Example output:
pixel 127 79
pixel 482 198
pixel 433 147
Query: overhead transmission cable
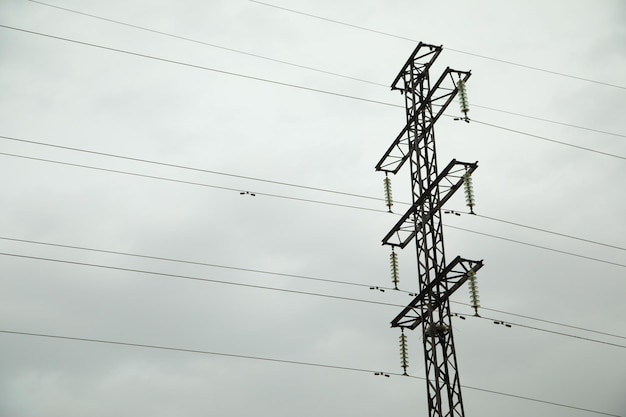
pixel 193 278
pixel 539 229
pixel 254 286
pixel 546 321
pixel 478 122
pixel 188 168
pixel 178 166
pixel 201 67
pixel 538 246
pixel 550 331
pixel 282 274
pixel 604 132
pixel 188 262
pixel 238 51
pixel 299 199
pixel 199 184
pixel 530 67
pixel 250 77
pixel 548 139
pixel 291 362
pixel 317 69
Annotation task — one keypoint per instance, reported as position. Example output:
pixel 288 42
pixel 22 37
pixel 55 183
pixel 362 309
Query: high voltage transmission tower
pixel 431 188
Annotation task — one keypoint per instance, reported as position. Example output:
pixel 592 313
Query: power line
pixel 297 276
pixel 171 35
pixel 188 277
pixel 539 246
pixel 282 275
pixel 548 139
pixel 548 231
pixel 171 61
pixel 302 66
pixel 553 332
pixel 297 199
pixel 215 281
pixel 161 258
pixel 316 90
pixel 178 276
pixel 229 282
pixel 450 49
pixel 154 177
pixel 256 78
pixel 549 121
pixel 207 171
pixel 547 321
pixel 204 352
pixel 537 229
pixel 288 185
pixel 284 361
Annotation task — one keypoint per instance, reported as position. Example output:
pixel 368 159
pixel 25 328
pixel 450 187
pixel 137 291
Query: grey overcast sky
pixel 177 110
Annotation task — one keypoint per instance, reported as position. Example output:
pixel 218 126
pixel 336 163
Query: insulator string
pixel 404 352
pixel 395 271
pixel 388 194
pixel 473 289
pixel 463 101
pixel 469 192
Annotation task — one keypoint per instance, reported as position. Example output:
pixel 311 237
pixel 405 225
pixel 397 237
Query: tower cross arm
pixel 418 63
pixel 452 277
pixel 446 183
pixel 439 97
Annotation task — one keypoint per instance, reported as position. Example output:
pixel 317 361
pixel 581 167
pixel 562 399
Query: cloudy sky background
pixel 71 95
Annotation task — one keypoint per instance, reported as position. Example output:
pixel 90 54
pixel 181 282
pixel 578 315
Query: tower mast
pixel 425 102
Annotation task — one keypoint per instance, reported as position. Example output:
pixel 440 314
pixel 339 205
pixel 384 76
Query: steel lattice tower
pixel 437 280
